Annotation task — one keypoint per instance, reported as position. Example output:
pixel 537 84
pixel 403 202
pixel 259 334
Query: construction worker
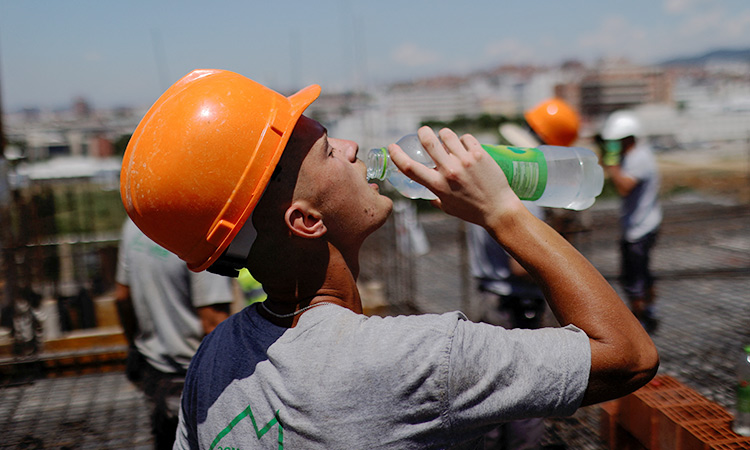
pixel 631 166
pixel 508 296
pixel 165 310
pixel 227 173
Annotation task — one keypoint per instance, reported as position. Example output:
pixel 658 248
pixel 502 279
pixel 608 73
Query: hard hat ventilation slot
pixel 220 231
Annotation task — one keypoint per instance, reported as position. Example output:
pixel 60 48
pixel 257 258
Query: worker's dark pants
pixel 635 271
pixel 163 391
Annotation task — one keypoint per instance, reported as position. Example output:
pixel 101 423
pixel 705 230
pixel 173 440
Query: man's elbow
pixel 628 370
pixel 646 366
pixel 640 368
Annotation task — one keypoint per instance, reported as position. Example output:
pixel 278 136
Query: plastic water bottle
pixel 556 177
pixel 741 423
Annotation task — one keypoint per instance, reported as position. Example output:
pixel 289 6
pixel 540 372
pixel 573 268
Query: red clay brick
pixel 708 435
pixel 661 382
pixel 672 419
pixel 609 414
pixel 638 411
pixel 743 444
pixel 672 397
pixel 702 412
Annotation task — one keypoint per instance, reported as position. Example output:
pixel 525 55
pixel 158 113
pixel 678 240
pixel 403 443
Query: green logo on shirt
pixel 248 412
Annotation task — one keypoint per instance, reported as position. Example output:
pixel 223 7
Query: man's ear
pixel 304 221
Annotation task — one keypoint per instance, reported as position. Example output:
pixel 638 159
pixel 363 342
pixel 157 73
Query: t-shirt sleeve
pixel 637 165
pixel 185 438
pixel 210 289
pixel 500 375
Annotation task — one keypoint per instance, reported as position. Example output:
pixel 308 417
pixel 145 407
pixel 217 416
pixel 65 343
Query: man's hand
pixel 468 182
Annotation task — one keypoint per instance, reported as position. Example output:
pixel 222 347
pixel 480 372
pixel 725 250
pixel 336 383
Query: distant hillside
pixel 723 55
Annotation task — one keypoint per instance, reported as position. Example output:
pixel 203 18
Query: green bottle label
pixel 743 397
pixel 525 168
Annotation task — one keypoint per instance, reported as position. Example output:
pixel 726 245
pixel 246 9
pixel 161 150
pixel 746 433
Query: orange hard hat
pixel 201 157
pixel 554 121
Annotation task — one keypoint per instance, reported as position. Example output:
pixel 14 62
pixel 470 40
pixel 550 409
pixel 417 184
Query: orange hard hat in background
pixel 202 156
pixel 554 121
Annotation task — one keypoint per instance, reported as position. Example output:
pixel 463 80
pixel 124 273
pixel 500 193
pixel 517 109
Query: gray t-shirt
pixel 341 380
pixel 641 210
pixel 165 295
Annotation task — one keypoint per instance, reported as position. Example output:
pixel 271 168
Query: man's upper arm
pixel 540 372
pixel 212 296
pixel 209 289
pixel 212 315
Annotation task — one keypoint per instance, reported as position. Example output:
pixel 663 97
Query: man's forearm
pixel 623 183
pixel 623 356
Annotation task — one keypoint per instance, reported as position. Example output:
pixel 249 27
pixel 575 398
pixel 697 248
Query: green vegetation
pixel 45 212
pixel 87 208
pixel 481 124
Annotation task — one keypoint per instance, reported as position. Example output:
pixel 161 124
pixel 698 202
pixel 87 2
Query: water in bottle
pixel 558 177
pixel 741 423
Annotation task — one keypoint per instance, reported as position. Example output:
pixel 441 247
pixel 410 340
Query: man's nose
pixel 349 148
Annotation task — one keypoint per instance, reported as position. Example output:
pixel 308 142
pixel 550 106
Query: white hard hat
pixel 619 125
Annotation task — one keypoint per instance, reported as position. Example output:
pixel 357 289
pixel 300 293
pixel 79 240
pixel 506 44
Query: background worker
pixel 631 166
pixel 165 310
pixel 305 368
pixel 508 295
pixel 551 122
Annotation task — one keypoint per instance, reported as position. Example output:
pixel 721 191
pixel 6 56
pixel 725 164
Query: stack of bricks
pixel 666 415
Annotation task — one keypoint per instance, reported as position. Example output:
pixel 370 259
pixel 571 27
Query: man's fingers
pixel 435 148
pixel 471 144
pixel 412 169
pixel 452 143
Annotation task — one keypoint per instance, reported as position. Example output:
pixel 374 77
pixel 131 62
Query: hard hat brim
pixel 302 99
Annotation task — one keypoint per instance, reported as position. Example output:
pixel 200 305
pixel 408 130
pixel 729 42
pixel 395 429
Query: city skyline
pixel 126 54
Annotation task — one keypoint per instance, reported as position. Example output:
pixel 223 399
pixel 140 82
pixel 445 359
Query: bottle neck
pixel 377 163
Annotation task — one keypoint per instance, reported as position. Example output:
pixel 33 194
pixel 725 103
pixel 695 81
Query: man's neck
pixel 320 278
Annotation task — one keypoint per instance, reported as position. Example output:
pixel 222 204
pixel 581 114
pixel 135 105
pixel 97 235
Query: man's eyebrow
pixel 326 144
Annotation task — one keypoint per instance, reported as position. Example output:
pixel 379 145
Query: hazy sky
pixel 127 52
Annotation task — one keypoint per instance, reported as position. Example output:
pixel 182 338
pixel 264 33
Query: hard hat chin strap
pixel 235 256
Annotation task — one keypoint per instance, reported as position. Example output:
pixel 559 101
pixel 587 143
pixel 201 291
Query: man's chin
pixel 388 211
